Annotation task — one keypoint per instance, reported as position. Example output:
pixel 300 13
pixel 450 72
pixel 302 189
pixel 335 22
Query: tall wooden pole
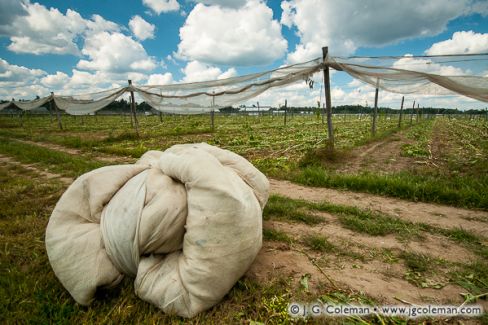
pixel 53 103
pixel 401 111
pixel 418 112
pixel 411 114
pixel 212 112
pixel 328 103
pixel 133 108
pixel 286 109
pixel 375 110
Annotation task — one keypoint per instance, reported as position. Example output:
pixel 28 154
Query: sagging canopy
pixel 426 75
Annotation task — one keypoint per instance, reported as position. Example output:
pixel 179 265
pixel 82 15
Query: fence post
pixel 328 103
pixel 133 107
pixel 286 109
pixel 401 111
pixel 212 112
pixel 411 114
pixel 375 110
pixel 58 115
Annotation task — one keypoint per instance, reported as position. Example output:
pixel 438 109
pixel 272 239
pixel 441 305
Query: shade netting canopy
pixel 425 75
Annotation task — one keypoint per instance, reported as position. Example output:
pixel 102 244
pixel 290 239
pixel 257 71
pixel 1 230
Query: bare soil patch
pixel 377 279
pixel 32 167
pixel 441 216
pixel 383 156
pixel 77 152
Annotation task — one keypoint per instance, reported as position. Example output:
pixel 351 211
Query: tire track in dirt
pixel 382 156
pixel 441 216
pixel 77 152
pixel 34 168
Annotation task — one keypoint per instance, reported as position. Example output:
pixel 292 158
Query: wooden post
pixel 258 109
pixel 161 117
pixel 375 110
pixel 328 103
pixel 286 109
pixel 212 112
pixel 133 108
pixel 418 112
pixel 401 111
pixel 58 115
pixel 411 113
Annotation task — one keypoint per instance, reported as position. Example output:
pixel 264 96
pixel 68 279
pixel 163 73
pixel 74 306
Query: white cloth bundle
pixel 186 223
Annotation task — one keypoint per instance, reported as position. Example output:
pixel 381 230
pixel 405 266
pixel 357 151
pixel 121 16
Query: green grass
pixel 295 151
pixel 281 208
pixel 276 235
pixel 56 161
pixel 416 262
pixel 318 243
pixel 456 191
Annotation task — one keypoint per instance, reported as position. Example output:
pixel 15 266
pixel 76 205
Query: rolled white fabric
pixel 186 223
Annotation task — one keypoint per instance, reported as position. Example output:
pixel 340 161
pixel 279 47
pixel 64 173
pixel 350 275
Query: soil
pixel 383 156
pixel 441 216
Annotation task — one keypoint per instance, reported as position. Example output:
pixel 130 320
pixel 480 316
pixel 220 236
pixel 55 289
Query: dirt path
pixel 34 168
pixel 433 214
pixel 383 156
pixel 77 152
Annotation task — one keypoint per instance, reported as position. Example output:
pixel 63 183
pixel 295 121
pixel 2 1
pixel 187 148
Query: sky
pixel 79 46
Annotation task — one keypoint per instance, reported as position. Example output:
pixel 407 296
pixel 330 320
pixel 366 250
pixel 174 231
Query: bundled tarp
pixel 186 223
pixel 427 75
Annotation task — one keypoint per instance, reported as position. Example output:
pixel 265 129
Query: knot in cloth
pixel 186 223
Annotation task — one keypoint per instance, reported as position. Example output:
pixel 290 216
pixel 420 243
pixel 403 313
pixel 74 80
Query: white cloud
pixel 160 79
pixel 223 3
pixel 14 73
pixel 346 25
pixel 55 80
pixel 114 52
pixel 197 71
pixel 41 30
pixel 244 36
pixel 9 11
pixel 141 28
pixel 426 65
pixel 159 6
pixel 462 42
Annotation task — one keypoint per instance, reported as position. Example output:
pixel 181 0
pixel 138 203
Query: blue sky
pixel 76 46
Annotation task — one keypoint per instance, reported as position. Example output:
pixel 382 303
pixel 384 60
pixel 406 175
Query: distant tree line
pixel 123 106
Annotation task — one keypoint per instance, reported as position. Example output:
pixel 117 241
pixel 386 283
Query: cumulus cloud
pixel 462 42
pixel 220 35
pixel 223 3
pixel 13 73
pixel 197 71
pixel 40 30
pixel 55 80
pixel 9 11
pixel 114 52
pixel 426 65
pixel 159 6
pixel 346 25
pixel 141 28
pixel 160 79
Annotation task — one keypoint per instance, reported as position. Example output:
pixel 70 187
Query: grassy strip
pixel 371 223
pixel 455 191
pixel 281 208
pixel 276 235
pixel 56 161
